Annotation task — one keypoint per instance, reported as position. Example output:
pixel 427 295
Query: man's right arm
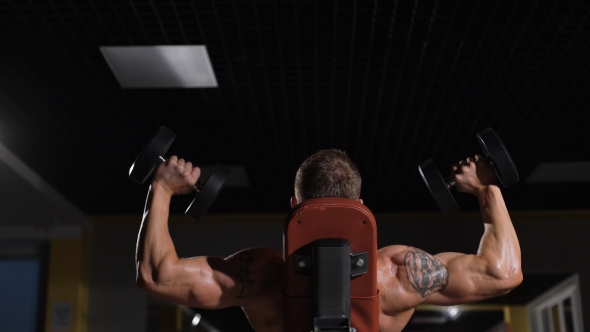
pixel 205 282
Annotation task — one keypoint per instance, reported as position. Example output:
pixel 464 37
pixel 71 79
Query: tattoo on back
pixel 425 272
pixel 243 275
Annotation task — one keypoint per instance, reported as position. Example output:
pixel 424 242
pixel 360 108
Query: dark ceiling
pixel 390 82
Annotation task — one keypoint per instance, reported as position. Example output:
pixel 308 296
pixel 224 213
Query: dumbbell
pixel 494 152
pixel 152 155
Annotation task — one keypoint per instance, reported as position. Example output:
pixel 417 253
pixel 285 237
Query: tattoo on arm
pixel 243 275
pixel 426 273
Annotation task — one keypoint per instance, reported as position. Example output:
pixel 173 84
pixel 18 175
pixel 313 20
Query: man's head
pixel 327 173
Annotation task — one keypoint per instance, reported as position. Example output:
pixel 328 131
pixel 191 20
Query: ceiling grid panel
pixel 62 52
pixel 316 95
pixel 99 96
pixel 272 112
pixel 282 79
pixel 121 23
pixel 383 77
pixel 516 79
pixel 534 79
pixel 434 77
pixel 432 144
pixel 332 118
pixel 391 176
pixel 232 85
pixel 475 105
pixel 500 89
pixel 549 128
pixel 302 135
pixel 213 108
pixel 180 23
pixel 563 129
pixel 253 105
pixel 140 22
pixel 448 151
pixel 388 132
pixel 351 59
pixel 360 141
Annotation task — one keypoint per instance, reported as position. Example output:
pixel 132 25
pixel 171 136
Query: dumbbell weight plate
pixel 149 157
pixel 208 193
pixel 495 152
pixel 438 188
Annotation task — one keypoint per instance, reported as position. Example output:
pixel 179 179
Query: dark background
pixel 392 83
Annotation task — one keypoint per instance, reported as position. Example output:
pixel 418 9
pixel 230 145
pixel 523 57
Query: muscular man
pixel 252 278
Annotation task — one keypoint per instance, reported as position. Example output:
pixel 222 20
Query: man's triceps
pixel 426 273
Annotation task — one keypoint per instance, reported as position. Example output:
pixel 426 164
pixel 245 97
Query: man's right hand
pixel 473 175
pixel 176 176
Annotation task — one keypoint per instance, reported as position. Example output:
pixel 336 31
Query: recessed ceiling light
pixel 559 172
pixel 175 66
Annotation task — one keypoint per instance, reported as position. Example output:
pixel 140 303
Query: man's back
pixel 406 277
pixel 253 278
pixel 264 267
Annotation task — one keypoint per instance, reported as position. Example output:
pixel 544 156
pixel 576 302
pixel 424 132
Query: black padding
pixel 331 284
pixel 438 188
pixel 150 155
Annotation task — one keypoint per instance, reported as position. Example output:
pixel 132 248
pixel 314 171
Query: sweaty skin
pixel 252 278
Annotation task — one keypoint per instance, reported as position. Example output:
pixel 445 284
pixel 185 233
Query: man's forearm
pixel 154 244
pixel 499 244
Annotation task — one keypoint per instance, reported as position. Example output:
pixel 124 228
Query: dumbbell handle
pixel 450 182
pixel 196 187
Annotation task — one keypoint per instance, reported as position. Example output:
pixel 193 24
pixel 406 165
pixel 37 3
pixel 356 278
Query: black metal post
pixel 331 284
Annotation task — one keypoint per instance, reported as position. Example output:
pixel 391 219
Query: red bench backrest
pixel 330 218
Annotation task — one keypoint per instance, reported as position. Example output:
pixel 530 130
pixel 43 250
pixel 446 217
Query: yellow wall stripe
pixel 67 284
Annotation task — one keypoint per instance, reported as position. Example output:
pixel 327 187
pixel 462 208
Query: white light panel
pixel 161 66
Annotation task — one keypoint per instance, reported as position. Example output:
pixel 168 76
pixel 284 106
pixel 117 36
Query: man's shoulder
pixel 260 261
pixel 389 260
pixel 392 251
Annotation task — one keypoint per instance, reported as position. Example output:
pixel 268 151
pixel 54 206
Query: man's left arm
pixel 496 268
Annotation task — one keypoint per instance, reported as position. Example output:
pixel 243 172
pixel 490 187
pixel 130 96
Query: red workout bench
pixel 330 251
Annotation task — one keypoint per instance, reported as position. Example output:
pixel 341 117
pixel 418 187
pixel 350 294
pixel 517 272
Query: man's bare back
pixel 253 278
pixel 264 269
pixel 407 277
